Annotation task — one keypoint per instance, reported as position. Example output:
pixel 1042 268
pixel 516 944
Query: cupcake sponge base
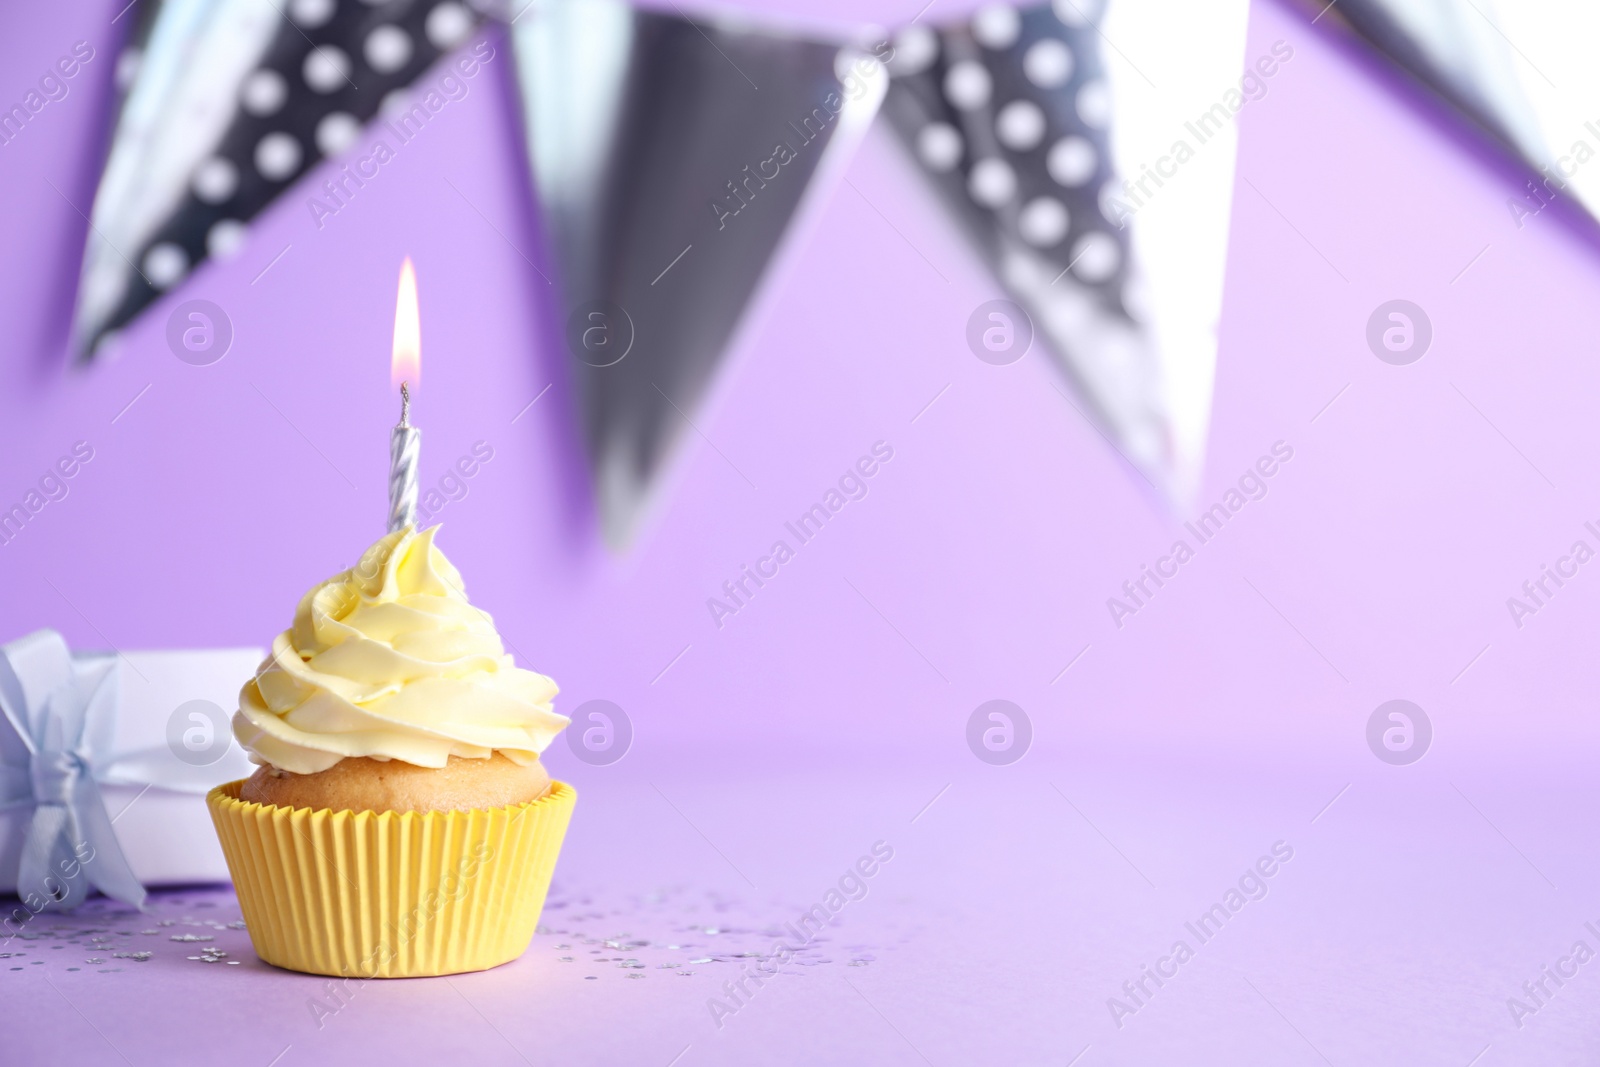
pixel 391 894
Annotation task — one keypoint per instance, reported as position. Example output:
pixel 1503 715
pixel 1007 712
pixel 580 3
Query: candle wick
pixel 405 405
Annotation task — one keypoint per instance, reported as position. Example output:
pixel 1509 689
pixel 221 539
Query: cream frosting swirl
pixel 389 660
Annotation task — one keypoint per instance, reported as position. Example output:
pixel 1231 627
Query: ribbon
pixel 55 739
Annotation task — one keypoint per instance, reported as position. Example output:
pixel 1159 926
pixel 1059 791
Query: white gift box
pixel 155 799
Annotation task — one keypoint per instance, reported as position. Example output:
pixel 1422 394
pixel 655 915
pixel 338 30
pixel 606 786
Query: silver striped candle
pixel 405 451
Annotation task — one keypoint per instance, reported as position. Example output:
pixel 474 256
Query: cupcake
pixel 400 823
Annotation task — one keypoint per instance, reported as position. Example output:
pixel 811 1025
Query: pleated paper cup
pixel 391 894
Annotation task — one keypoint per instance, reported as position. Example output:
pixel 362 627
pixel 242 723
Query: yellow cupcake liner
pixel 391 894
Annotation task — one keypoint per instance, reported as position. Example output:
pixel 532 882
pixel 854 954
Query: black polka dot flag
pixel 223 107
pixel 1008 113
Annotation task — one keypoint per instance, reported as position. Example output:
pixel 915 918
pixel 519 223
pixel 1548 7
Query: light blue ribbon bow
pixel 56 735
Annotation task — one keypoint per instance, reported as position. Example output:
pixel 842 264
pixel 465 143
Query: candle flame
pixel 406 363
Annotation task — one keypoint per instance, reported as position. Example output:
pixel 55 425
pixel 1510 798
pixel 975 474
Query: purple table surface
pixel 1168 755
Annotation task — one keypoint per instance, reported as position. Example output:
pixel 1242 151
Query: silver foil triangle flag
pixel 670 159
pixel 1453 50
pixel 1521 71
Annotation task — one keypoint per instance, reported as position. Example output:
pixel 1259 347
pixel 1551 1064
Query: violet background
pixel 1222 718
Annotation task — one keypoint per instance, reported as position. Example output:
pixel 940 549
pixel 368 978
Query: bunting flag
pixel 1521 73
pixel 1008 113
pixel 225 104
pixel 670 157
pixel 1036 130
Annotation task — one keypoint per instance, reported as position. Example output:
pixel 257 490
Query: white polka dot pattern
pixel 1107 199
pixel 1095 257
pixel 326 69
pixel 277 156
pixel 993 182
pixel 127 69
pixel 310 14
pixel 1047 63
pixel 164 264
pixel 1077 13
pixel 394 103
pixel 1094 104
pixel 225 238
pixel 1043 222
pixel 387 49
pixel 1071 161
pixel 915 49
pixel 1020 125
pixel 968 85
pixel 939 147
pixel 337 131
pixel 997 26
pixel 448 25
pixel 215 180
pixel 263 93
pixel 1010 110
